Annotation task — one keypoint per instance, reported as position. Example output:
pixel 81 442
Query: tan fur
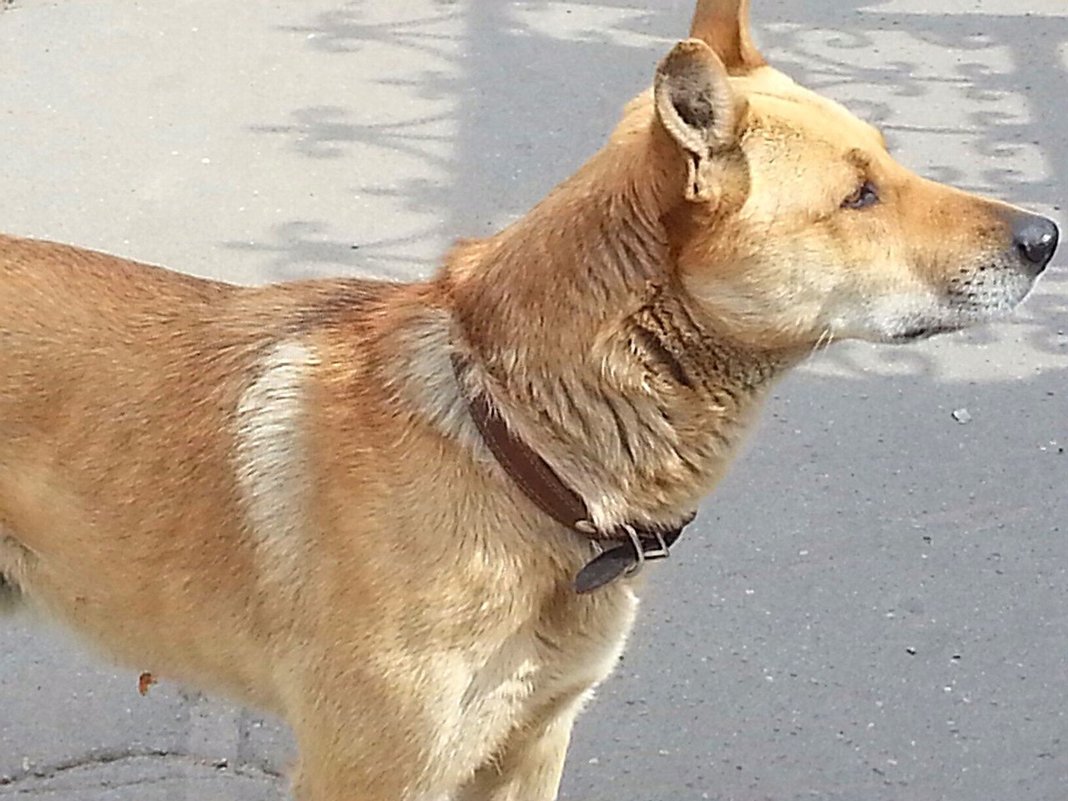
pixel 278 492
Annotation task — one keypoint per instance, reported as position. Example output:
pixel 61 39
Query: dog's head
pixel 797 224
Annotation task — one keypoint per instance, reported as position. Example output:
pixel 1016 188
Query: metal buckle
pixel 661 551
pixel 639 551
pixel 643 554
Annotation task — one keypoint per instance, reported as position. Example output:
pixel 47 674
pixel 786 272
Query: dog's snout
pixel 1035 239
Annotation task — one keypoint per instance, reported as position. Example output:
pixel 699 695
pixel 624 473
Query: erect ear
pixel 724 26
pixel 698 108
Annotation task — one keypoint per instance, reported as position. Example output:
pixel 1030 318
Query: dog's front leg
pixel 352 749
pixel 529 766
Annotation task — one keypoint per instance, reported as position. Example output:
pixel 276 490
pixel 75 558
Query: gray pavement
pixel 873 607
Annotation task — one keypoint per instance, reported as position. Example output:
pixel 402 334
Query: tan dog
pixel 284 493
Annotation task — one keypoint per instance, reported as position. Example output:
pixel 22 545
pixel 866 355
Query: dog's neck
pixel 592 350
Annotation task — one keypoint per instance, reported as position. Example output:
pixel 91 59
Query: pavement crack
pixel 104 758
pixel 92 759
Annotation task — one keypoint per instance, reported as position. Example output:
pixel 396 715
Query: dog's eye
pixel 866 195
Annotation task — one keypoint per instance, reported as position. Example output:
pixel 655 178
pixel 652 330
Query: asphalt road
pixel 873 607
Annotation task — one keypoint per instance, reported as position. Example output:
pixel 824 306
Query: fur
pixel 278 492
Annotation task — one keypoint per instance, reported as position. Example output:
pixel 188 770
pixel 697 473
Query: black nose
pixel 1035 238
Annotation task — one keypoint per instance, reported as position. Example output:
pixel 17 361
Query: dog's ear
pixel 698 108
pixel 724 26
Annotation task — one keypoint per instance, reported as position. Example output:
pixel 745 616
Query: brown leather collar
pixel 634 544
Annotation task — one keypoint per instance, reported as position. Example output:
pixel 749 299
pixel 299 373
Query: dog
pixel 410 518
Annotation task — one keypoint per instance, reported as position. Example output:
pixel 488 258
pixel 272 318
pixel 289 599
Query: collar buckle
pixel 644 550
pixel 627 558
pixel 623 551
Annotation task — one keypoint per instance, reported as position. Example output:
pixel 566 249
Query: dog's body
pixel 280 492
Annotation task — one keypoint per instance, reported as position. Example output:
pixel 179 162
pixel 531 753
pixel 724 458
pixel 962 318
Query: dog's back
pixel 121 433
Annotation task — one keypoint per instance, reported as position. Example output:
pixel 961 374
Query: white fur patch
pixel 271 457
pixel 427 379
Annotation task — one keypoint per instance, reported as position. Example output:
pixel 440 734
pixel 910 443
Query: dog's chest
pixel 544 670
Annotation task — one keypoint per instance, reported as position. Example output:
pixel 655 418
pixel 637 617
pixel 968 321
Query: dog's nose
pixel 1035 238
